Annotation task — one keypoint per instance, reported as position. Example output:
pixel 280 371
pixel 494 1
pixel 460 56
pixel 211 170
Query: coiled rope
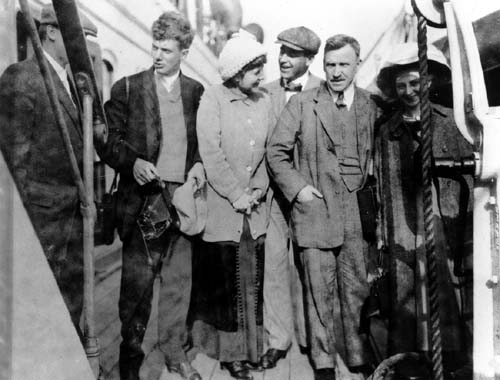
pixel 425 116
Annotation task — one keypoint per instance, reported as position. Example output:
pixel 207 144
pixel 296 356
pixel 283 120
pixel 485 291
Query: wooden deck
pixel 295 366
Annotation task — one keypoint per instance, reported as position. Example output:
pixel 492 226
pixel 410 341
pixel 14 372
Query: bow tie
pixel 294 87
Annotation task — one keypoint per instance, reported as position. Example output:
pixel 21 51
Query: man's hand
pixel 243 203
pixel 144 171
pixel 307 194
pixel 255 196
pixel 197 173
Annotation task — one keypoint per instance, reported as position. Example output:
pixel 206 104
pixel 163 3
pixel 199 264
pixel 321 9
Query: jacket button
pixel 249 168
pixel 444 149
pixel 252 142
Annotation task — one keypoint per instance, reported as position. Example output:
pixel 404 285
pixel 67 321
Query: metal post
pixel 89 217
pixel 8 45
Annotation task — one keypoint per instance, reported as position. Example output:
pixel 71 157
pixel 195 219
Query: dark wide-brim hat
pixel 48 17
pixel 300 38
pixel 404 57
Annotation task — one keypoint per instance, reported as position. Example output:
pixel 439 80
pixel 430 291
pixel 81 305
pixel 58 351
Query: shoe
pixel 324 374
pixel 253 366
pixel 271 357
pixel 186 371
pixel 237 370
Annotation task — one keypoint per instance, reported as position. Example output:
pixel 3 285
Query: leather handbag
pixel 367 203
pixel 107 216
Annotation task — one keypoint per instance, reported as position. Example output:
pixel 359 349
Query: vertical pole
pixel 88 211
pixel 199 18
pixel 8 39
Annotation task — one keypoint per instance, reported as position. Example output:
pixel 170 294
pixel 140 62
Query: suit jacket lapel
pixel 186 96
pixel 66 102
pixel 324 111
pixel 152 112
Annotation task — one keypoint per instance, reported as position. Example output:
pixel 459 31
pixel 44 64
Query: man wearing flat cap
pixel 319 156
pixel 299 45
pixel 34 151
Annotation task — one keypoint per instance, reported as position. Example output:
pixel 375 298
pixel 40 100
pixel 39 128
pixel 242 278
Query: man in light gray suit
pixel 299 45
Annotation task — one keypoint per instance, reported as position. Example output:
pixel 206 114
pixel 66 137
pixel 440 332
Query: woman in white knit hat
pixel 232 126
pixel 398 166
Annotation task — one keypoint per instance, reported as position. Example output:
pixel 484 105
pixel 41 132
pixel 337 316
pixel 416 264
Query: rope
pixel 425 116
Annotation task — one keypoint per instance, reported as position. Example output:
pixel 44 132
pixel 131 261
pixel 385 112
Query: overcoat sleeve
pixel 260 180
pixel 197 98
pixel 281 147
pixel 17 109
pixel 117 152
pixel 220 175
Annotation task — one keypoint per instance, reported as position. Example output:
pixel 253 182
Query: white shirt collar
pixel 348 96
pixel 60 71
pixel 302 80
pixel 168 81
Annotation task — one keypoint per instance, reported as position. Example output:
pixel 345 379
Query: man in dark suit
pixel 34 151
pixel 319 155
pixel 299 46
pixel 152 120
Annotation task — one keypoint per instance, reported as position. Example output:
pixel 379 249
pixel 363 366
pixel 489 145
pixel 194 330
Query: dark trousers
pixel 68 273
pixel 137 291
pixel 335 288
pixel 60 233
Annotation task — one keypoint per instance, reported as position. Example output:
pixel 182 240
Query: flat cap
pixel 48 16
pixel 300 38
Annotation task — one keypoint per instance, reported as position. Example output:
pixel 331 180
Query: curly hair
pixel 174 26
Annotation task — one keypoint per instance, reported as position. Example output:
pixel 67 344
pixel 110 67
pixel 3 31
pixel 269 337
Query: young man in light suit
pixel 299 45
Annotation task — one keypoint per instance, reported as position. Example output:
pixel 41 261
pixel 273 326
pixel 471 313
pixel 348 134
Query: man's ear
pixel 184 53
pixel 51 32
pixel 309 60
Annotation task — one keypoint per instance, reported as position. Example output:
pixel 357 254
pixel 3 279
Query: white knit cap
pixel 239 51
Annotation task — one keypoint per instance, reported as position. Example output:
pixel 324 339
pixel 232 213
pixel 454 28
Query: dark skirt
pixel 227 298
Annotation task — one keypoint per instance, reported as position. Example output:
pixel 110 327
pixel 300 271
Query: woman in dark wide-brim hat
pixel 232 127
pixel 398 168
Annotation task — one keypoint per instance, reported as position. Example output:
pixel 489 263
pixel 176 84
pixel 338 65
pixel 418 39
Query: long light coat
pixel 232 132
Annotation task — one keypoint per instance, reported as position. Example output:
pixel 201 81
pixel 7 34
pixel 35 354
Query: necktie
pixel 71 90
pixel 294 87
pixel 340 102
